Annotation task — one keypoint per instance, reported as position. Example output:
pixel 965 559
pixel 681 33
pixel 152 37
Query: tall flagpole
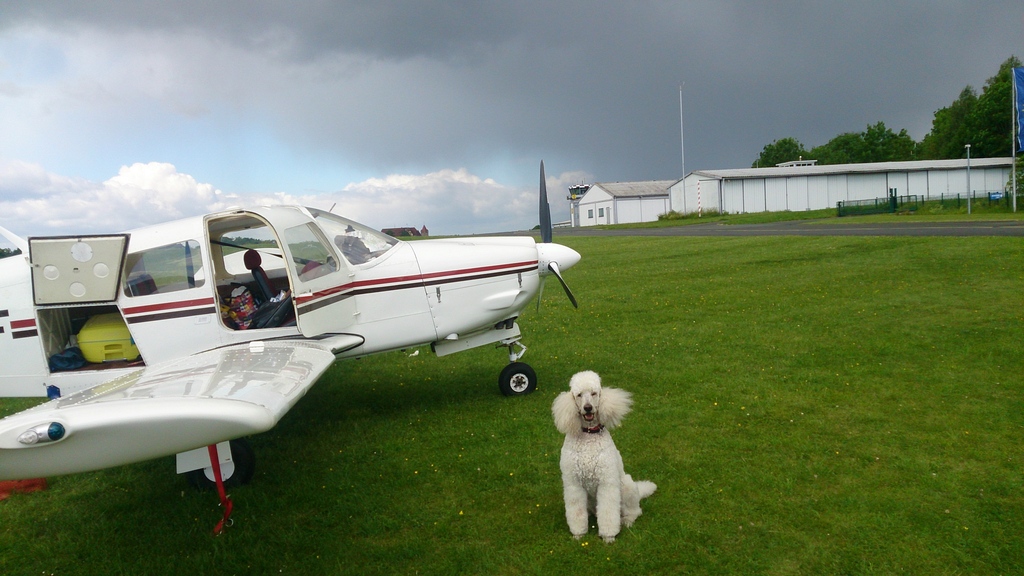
pixel 682 144
pixel 1015 127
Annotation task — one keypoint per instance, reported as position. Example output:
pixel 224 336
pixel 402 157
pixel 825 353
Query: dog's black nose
pixel 588 408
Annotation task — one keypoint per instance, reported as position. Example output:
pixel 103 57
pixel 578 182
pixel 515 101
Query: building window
pixel 600 212
pixel 590 213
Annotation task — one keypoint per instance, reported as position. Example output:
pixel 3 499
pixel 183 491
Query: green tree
pixel 1020 180
pixel 877 143
pixel 950 128
pixel 981 121
pixel 990 120
pixel 846 148
pixel 779 151
pixel 881 144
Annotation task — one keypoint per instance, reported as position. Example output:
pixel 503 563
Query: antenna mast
pixel 682 145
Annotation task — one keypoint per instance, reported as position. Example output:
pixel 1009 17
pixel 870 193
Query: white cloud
pixel 446 202
pixel 451 202
pixel 442 192
pixel 22 179
pixel 36 202
pixel 157 187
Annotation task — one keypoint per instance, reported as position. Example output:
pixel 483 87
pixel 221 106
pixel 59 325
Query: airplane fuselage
pixel 172 287
pixel 185 337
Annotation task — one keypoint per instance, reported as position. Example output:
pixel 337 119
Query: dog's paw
pixel 578 536
pixel 608 539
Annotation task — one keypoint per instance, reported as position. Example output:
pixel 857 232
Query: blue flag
pixel 1018 85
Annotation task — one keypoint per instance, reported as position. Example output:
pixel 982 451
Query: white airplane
pixel 199 332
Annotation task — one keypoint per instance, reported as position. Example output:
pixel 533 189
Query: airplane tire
pixel 517 379
pixel 244 467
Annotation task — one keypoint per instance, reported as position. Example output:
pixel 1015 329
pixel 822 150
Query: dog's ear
pixel 615 404
pixel 563 409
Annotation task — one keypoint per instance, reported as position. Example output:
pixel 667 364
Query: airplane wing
pixel 157 411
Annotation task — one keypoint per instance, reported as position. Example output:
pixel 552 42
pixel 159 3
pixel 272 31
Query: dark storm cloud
pixel 589 86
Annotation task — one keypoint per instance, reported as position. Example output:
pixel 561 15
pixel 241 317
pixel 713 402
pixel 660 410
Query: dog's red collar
pixel 595 430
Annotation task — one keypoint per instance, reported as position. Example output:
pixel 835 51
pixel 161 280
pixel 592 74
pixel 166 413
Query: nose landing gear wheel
pixel 517 379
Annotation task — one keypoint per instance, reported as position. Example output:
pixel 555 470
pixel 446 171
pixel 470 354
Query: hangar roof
pixel 817 170
pixel 636 189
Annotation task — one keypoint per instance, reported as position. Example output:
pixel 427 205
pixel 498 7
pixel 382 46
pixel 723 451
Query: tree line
pixel 983 121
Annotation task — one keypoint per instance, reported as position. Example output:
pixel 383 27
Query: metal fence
pixel 985 197
pixel 889 205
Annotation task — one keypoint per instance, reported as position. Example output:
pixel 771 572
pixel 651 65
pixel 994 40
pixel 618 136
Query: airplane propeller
pixel 553 266
pixel 552 254
pixel 545 208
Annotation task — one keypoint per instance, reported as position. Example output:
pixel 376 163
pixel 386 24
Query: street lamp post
pixel 968 146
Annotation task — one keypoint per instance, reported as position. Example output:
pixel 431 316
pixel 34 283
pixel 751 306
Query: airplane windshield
pixel 359 244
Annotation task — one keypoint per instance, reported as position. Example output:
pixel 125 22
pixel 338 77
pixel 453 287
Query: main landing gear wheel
pixel 517 379
pixel 235 473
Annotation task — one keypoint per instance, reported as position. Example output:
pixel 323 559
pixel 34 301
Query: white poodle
pixel 593 478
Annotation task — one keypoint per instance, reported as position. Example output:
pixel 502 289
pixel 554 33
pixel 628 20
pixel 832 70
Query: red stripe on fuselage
pixel 419 280
pixel 436 275
pixel 169 306
pixel 23 328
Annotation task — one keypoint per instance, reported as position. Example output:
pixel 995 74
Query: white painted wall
pixel 819 191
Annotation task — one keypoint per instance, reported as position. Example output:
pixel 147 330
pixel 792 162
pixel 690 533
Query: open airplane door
pixel 77 269
pixel 320 278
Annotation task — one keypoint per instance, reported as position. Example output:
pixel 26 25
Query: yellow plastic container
pixel 105 338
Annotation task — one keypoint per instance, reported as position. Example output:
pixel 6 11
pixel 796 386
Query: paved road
pixel 830 227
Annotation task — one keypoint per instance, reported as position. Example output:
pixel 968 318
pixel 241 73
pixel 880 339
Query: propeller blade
pixel 553 266
pixel 545 208
pixel 551 252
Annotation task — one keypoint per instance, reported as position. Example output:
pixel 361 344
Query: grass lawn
pixel 825 405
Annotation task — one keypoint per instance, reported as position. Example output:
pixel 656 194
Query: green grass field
pixel 805 405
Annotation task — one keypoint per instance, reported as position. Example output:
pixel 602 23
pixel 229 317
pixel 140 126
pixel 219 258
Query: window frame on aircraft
pixel 164 269
pixel 311 255
pixel 358 244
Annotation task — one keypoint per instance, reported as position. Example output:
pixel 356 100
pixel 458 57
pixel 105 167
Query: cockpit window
pixel 357 243
pixel 311 258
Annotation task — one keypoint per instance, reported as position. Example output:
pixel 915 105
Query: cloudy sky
pixel 115 114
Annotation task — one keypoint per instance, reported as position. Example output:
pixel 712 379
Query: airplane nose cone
pixel 563 256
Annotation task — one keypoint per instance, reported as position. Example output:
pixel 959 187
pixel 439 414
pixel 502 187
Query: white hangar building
pixel 804 186
pixel 622 203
